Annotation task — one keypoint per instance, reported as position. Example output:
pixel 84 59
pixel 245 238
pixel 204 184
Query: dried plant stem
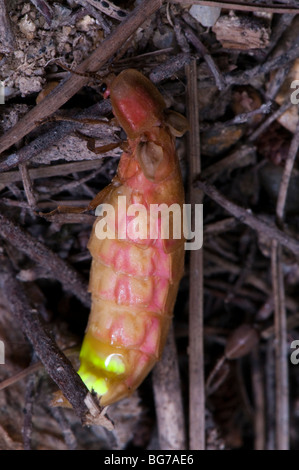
pixel 66 89
pixel 280 319
pixel 54 133
pixel 51 170
pixel 44 9
pixel 196 361
pixel 33 368
pixel 281 357
pixel 194 39
pixel 52 263
pixel 247 217
pixel 56 364
pixel 221 226
pixel 246 76
pixel 28 186
pixel 273 117
pixel 168 399
pixel 236 158
pixel 283 189
pixel 96 14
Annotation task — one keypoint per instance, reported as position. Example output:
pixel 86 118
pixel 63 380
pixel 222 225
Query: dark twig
pixel 282 385
pixel 38 365
pixel 168 398
pixel 44 8
pixel 246 76
pixel 180 37
pixel 196 361
pixel 96 14
pixel 28 187
pixel 285 180
pixel 170 67
pixel 194 39
pixel 56 364
pixel 265 108
pixel 284 35
pixel 281 357
pixel 275 115
pixel 54 133
pixel 58 268
pixel 247 217
pixel 241 156
pixel 283 24
pixel 242 277
pixel 51 170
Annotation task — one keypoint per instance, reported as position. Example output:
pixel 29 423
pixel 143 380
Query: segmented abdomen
pixel 133 287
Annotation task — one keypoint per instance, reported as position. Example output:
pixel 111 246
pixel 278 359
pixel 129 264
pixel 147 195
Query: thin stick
pixel 51 170
pixel 169 67
pixel 59 269
pixel 246 76
pixel 275 115
pixel 53 134
pixel 285 180
pixel 56 364
pixel 215 228
pixel 242 156
pixel 196 362
pixel 44 8
pixel 281 356
pixel 247 217
pixel 280 319
pixel 28 186
pixel 194 39
pixel 96 14
pixel 20 375
pixel 68 87
pixel 168 398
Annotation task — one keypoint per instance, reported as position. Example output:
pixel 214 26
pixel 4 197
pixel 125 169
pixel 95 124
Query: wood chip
pixel 241 32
